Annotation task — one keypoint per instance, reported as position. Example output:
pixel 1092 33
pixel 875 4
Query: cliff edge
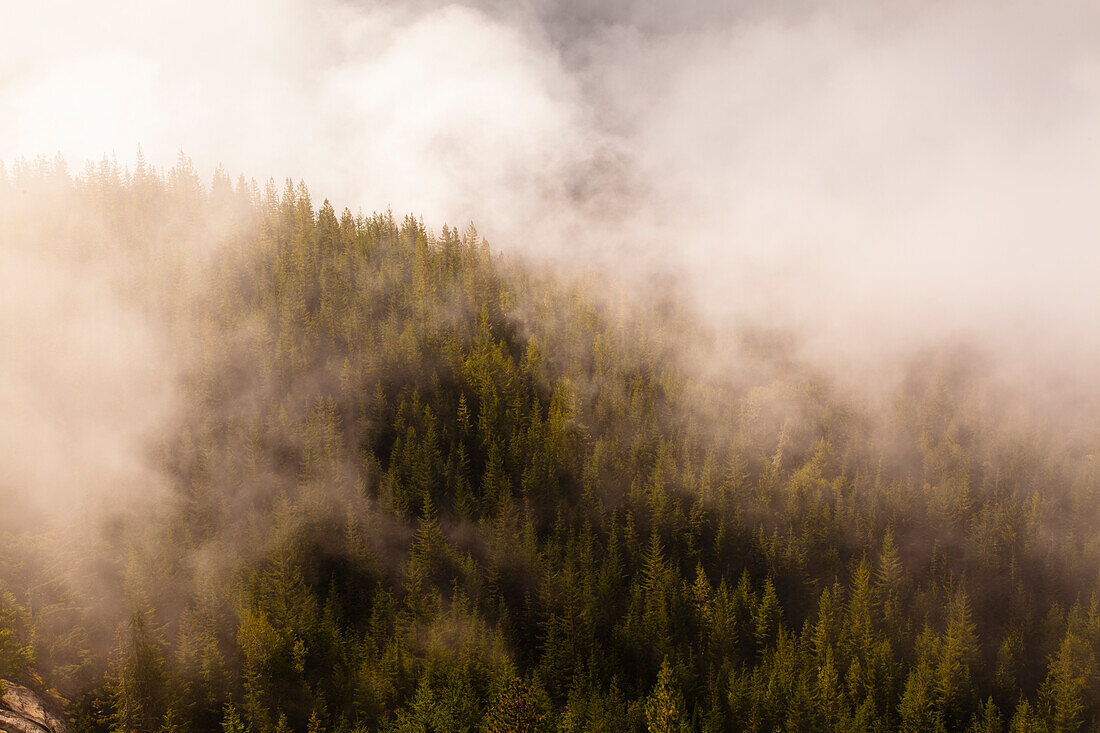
pixel 24 711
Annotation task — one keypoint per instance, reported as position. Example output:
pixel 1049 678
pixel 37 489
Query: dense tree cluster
pixel 419 486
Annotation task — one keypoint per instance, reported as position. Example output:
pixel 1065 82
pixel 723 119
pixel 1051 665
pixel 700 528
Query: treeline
pixel 416 485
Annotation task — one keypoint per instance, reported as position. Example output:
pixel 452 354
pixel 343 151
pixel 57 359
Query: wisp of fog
pixel 871 177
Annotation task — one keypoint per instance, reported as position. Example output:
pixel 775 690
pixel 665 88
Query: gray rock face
pixel 24 711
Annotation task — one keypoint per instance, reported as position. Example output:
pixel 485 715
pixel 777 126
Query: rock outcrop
pixel 25 711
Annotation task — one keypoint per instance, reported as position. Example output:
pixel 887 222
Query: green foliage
pixel 519 708
pixel 138 679
pixel 664 709
pixel 16 657
pixel 417 486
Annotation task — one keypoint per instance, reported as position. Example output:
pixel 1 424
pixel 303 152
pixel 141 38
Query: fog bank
pixel 874 177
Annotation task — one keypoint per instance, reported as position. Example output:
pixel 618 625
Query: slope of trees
pixel 416 486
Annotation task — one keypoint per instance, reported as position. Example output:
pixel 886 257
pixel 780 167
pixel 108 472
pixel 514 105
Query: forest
pixel 410 483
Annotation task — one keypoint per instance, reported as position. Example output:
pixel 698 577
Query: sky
pixel 871 174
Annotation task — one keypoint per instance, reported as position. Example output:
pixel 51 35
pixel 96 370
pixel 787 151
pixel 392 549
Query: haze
pixel 787 320
pixel 871 175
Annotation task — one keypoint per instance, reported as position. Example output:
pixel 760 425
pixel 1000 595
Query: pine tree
pixel 519 708
pixel 768 618
pixel 957 655
pixel 664 707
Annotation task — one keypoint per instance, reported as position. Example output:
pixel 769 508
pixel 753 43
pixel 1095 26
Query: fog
pixel 921 169
pixel 874 177
pixel 875 225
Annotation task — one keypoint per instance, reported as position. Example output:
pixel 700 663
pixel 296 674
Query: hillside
pixel 407 483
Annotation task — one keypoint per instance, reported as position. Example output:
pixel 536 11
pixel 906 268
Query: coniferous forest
pixel 409 483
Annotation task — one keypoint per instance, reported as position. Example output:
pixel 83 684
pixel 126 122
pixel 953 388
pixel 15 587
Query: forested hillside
pixel 410 484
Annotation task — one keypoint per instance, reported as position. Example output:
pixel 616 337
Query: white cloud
pixel 908 169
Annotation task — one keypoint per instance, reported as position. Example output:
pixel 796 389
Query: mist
pixel 795 267
pixel 868 174
pixel 874 180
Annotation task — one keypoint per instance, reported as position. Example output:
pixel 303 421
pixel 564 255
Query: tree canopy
pixel 416 485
